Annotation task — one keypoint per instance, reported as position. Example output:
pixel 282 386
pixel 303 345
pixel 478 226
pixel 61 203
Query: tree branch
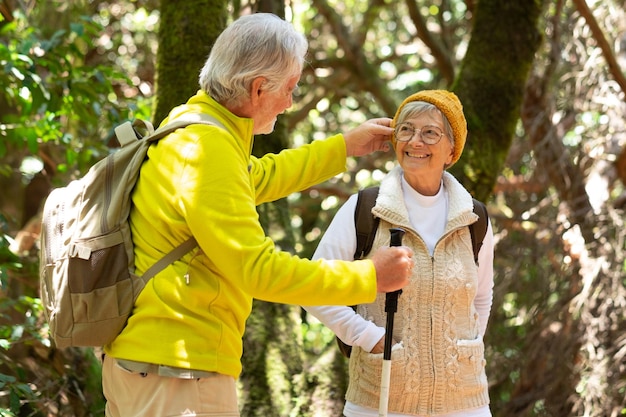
pixel 536 115
pixel 355 59
pixel 442 56
pixel 598 35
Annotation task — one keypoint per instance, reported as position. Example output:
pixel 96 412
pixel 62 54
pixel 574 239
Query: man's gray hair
pixel 256 45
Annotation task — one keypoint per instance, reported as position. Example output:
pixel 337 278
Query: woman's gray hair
pixel 416 108
pixel 256 45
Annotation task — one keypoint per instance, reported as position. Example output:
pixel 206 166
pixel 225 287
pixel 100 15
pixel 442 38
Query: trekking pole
pixel 391 306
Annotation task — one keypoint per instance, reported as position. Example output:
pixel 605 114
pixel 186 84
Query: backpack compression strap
pixel 171 257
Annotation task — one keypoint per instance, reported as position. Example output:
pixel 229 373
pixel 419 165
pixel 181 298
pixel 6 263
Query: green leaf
pixel 14 401
pixel 6 379
pixel 77 28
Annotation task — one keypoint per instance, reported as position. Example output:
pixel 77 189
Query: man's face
pixel 272 103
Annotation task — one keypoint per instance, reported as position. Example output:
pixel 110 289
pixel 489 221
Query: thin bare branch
pixel 598 35
pixel 438 50
pixel 355 58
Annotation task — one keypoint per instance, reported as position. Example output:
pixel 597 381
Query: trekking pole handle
pixel 391 300
pixel 391 305
pixel 396 236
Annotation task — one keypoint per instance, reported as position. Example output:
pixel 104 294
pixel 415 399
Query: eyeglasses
pixel 431 135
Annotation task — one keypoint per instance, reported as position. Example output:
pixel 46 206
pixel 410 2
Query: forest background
pixel 543 88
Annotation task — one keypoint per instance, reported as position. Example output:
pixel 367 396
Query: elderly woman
pixel 438 364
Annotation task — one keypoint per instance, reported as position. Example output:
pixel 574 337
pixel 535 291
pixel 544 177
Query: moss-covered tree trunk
pixel 505 38
pixel 187 31
pixel 272 359
pixel 272 350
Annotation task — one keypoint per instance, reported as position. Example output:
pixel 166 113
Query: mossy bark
pixel 187 32
pixel 491 83
pixel 273 380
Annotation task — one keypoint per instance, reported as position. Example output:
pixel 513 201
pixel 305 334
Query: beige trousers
pixel 133 394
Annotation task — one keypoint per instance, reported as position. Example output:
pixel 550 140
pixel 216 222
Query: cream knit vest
pixel 441 366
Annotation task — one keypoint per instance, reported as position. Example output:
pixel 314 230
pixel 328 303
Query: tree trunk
pixel 272 358
pixel 491 86
pixel 187 31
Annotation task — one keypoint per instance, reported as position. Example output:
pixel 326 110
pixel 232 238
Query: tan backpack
pixel 87 265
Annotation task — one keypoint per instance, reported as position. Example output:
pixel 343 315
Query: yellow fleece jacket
pixel 202 181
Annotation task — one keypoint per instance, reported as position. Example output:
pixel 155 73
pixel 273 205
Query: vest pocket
pixel 473 379
pixel 367 367
pixel 472 351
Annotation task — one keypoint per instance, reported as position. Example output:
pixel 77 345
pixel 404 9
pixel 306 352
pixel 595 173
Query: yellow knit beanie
pixel 451 108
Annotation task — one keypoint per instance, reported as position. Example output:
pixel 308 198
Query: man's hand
pixel 393 267
pixel 371 136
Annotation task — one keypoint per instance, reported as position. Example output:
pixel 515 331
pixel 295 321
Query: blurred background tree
pixel 543 88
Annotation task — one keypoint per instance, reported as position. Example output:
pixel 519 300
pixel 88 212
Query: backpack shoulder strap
pixel 365 223
pixel 182 122
pixel 478 230
pixel 154 135
pixel 128 132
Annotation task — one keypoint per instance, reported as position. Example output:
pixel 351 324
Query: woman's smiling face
pixel 424 164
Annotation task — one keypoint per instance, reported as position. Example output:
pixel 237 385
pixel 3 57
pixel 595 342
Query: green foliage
pixel 28 309
pixel 54 93
pixel 60 99
pixel 17 391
